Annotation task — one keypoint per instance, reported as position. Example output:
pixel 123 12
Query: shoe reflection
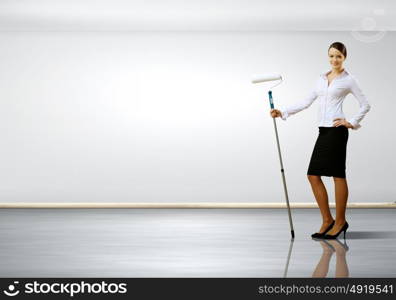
pixel 329 248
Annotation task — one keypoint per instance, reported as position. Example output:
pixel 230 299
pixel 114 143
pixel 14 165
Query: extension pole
pixel 281 164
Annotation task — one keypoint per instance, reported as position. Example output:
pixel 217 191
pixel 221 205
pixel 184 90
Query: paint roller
pixel 267 78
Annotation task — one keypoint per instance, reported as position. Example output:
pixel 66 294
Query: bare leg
pixel 322 199
pixel 322 268
pixel 341 262
pixel 341 195
pixel 341 266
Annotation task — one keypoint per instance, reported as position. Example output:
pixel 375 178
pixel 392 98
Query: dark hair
pixel 340 47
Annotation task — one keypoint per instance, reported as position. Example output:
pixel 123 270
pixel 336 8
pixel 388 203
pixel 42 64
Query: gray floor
pixel 191 243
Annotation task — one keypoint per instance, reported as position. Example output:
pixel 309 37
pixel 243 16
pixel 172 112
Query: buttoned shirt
pixel 330 97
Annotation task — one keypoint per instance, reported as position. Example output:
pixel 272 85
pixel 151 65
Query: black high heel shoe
pixel 334 236
pixel 328 245
pixel 321 235
pixel 344 245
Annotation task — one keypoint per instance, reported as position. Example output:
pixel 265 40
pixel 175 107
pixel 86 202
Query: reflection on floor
pixel 192 243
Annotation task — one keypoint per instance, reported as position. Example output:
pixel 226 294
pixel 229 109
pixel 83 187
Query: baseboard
pixel 185 205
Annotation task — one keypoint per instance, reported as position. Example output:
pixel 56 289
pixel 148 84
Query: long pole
pixel 282 170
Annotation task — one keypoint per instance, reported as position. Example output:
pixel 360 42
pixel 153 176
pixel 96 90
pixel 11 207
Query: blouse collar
pixel 343 73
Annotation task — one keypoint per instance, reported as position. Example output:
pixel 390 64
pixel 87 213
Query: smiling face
pixel 336 58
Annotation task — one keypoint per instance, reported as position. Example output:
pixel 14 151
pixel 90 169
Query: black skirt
pixel 329 154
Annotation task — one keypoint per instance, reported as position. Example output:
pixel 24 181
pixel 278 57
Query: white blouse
pixel 331 98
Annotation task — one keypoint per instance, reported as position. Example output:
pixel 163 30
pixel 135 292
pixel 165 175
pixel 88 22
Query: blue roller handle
pixel 270 99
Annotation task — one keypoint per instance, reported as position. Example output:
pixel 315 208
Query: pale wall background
pixel 173 116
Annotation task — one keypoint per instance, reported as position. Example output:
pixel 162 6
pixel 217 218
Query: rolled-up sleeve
pixel 363 103
pixel 299 106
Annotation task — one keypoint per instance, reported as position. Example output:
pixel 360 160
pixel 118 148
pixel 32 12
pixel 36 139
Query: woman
pixel 329 154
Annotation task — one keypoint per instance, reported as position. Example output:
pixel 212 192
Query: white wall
pixel 173 117
pixel 197 15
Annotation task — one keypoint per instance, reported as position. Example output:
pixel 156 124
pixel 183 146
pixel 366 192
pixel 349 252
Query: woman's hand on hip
pixel 275 113
pixel 342 122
